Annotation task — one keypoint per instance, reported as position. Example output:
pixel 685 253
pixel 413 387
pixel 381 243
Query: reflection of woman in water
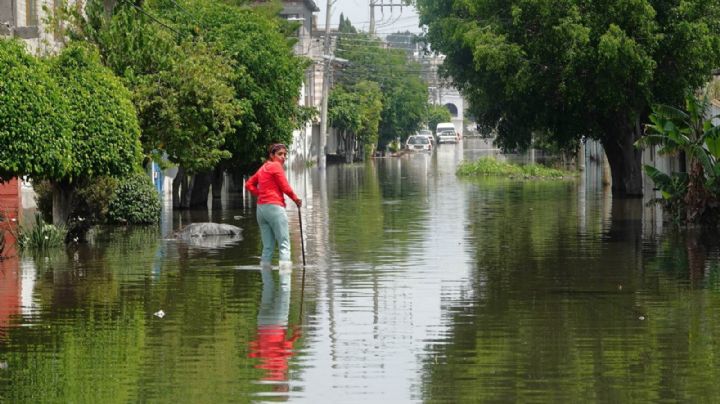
pixel 272 345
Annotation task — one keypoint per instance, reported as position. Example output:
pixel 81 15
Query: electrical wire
pixel 150 16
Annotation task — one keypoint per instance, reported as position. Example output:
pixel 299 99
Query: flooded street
pixel 419 287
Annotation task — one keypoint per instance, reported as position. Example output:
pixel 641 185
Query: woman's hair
pixel 273 148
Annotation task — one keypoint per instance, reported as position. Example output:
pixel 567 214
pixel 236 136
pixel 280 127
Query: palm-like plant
pixel 692 133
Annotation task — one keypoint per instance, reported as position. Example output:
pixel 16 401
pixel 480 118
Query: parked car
pixel 418 143
pixel 447 136
pixel 426 132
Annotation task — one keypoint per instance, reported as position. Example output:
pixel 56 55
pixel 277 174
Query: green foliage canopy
pixel 191 101
pixel 437 114
pixel 182 89
pixel 345 26
pixel 343 113
pixel 34 126
pixel 357 109
pixel 268 75
pixel 105 131
pixel 574 68
pixel 135 201
pixel 368 98
pixel 689 198
pixel 404 93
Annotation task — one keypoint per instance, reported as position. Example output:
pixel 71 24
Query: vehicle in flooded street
pixel 418 143
pixel 427 133
pixel 447 136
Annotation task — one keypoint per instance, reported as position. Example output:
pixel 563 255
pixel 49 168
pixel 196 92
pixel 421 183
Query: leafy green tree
pixel 345 26
pixel 34 125
pixel 105 132
pixel 404 93
pixel 182 89
pixel 268 76
pixel 356 112
pixel 437 114
pixel 188 110
pixel 369 102
pixel 575 68
pixel 403 40
pixel 106 135
pixel 342 111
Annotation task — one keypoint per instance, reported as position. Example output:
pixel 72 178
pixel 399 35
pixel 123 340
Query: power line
pixel 150 16
pixel 393 31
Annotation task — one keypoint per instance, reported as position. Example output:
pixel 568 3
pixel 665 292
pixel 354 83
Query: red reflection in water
pixel 274 347
pixel 9 262
pixel 9 288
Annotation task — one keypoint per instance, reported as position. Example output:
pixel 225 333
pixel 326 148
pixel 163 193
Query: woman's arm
pixel 279 175
pixel 252 183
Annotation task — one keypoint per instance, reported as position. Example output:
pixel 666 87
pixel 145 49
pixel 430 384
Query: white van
pixel 445 133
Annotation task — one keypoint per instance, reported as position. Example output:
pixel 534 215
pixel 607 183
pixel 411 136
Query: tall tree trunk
pixel 625 160
pixel 218 177
pixel 182 189
pixel 177 187
pixel 348 146
pixel 200 189
pixel 698 200
pixel 353 145
pixel 61 202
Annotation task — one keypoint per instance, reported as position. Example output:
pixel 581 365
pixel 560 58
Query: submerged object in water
pixel 210 235
pixel 208 229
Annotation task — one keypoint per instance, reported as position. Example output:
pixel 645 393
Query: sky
pixel 358 11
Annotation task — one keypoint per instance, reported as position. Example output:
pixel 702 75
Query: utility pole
pixel 382 5
pixel 325 90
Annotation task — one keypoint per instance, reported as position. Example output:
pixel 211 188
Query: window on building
pixel 31 13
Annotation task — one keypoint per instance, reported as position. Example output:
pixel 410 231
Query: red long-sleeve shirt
pixel 269 185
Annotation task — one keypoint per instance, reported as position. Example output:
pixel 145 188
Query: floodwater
pixel 418 287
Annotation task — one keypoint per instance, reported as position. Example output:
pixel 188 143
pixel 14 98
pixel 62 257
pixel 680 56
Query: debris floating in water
pixel 159 314
pixel 641 318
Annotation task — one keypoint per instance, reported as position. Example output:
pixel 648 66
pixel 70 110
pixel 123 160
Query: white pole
pixel 325 90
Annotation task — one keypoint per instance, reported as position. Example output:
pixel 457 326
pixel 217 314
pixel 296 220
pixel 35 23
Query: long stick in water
pixel 302 239
pixel 302 288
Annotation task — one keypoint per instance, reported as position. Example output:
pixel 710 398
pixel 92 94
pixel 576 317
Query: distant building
pixel 440 91
pixel 304 145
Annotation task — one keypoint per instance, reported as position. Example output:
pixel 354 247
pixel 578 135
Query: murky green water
pixel 419 287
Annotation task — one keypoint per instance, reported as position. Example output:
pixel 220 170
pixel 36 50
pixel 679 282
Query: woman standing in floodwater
pixel 270 186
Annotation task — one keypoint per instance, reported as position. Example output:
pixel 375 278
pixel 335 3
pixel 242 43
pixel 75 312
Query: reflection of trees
pixel 386 227
pixel 96 338
pixel 88 273
pixel 688 255
pixel 557 313
pixel 348 236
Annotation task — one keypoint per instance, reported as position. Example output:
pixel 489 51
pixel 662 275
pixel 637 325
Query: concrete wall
pixel 24 19
pixel 302 11
pixel 7 15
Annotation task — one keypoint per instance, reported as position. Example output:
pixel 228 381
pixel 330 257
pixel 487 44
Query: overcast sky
pixel 387 21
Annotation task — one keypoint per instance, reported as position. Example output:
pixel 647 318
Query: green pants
pixel 273 223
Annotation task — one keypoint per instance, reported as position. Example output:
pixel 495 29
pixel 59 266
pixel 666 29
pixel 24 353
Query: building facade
pixel 441 92
pixel 27 20
pixel 305 140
